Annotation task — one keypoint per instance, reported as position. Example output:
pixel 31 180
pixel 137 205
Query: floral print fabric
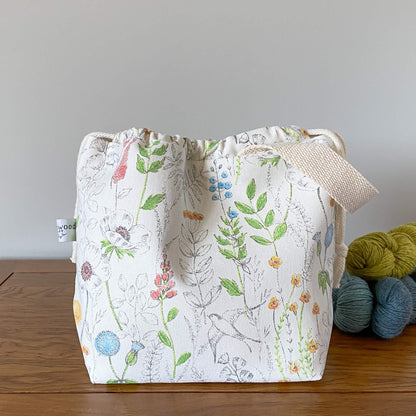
pixel 197 265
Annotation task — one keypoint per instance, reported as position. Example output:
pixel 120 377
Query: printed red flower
pixel 171 294
pixel 155 294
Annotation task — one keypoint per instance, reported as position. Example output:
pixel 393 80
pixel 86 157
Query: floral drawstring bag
pixel 210 260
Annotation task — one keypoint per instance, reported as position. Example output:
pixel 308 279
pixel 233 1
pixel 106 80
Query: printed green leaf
pixel 160 151
pixel 222 241
pixel 211 145
pixel 226 253
pixel 183 358
pixel 231 286
pixel 261 201
pixel 274 161
pixel 236 230
pixel 279 231
pixel 324 280
pixel 140 165
pixel 245 209
pixel 143 152
pixel 130 381
pixel 318 248
pixel 251 189
pixel 152 201
pixel 254 223
pixel 269 218
pixel 242 253
pixel 261 240
pixel 112 381
pixel 109 249
pixel 235 222
pixel 155 143
pixel 155 166
pixel 172 314
pixel 240 239
pixel 105 243
pixel 225 221
pixel 164 338
pixel 224 231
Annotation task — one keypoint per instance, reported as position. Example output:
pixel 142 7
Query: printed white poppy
pixel 92 267
pixel 120 232
pixel 92 159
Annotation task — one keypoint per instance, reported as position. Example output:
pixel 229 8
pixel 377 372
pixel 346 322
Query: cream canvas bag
pixel 210 260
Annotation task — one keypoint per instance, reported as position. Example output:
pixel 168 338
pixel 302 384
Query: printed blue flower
pixel 328 235
pixel 232 214
pixel 317 237
pixel 220 185
pixel 212 188
pixel 107 343
pixel 212 179
pixel 215 197
pixel 227 185
pixel 228 194
pixel 224 175
pixel 136 346
pixel 220 166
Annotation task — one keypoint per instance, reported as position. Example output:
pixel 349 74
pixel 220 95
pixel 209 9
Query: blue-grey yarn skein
pixel 393 307
pixel 411 287
pixel 353 304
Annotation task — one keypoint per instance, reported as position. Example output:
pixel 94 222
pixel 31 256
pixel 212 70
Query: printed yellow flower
pixel 304 297
pixel 193 215
pixel 294 367
pixel 275 262
pixel 293 307
pixel 313 346
pixel 77 311
pixel 273 304
pixel 315 309
pixel 296 280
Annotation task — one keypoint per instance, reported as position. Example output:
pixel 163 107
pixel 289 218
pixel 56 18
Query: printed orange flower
pixel 294 367
pixel 313 346
pixel 332 202
pixel 293 307
pixel 77 311
pixel 193 215
pixel 315 309
pixel 84 349
pixel 296 280
pixel 275 262
pixel 304 133
pixel 304 297
pixel 273 304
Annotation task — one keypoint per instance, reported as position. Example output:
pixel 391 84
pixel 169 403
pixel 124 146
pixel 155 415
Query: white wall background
pixel 203 70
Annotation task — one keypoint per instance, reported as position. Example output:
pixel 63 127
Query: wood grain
pixel 210 404
pixel 40 355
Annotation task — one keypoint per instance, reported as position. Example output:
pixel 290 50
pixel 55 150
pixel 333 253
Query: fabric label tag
pixel 66 228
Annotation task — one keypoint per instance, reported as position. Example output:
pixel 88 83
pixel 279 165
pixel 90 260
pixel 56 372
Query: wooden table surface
pixel 42 370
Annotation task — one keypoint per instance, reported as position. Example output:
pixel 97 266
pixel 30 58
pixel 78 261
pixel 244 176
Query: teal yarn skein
pixel 411 287
pixel 353 304
pixel 393 307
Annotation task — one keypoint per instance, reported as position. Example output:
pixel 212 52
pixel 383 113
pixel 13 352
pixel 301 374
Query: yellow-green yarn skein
pixel 379 254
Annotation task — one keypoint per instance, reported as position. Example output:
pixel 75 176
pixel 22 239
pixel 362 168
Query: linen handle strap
pixel 332 172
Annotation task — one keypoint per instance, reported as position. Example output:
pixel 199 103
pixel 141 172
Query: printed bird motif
pixel 225 326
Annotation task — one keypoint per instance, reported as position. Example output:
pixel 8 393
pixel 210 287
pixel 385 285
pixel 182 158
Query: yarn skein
pixel 378 254
pixel 353 304
pixel 411 287
pixel 393 308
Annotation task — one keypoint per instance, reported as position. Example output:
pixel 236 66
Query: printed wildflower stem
pixel 301 357
pixel 238 169
pixel 231 243
pixel 112 368
pixel 164 283
pixel 145 165
pixel 290 201
pixel 255 221
pixel 172 346
pixel 308 343
pixel 278 359
pixel 143 191
pixel 111 306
